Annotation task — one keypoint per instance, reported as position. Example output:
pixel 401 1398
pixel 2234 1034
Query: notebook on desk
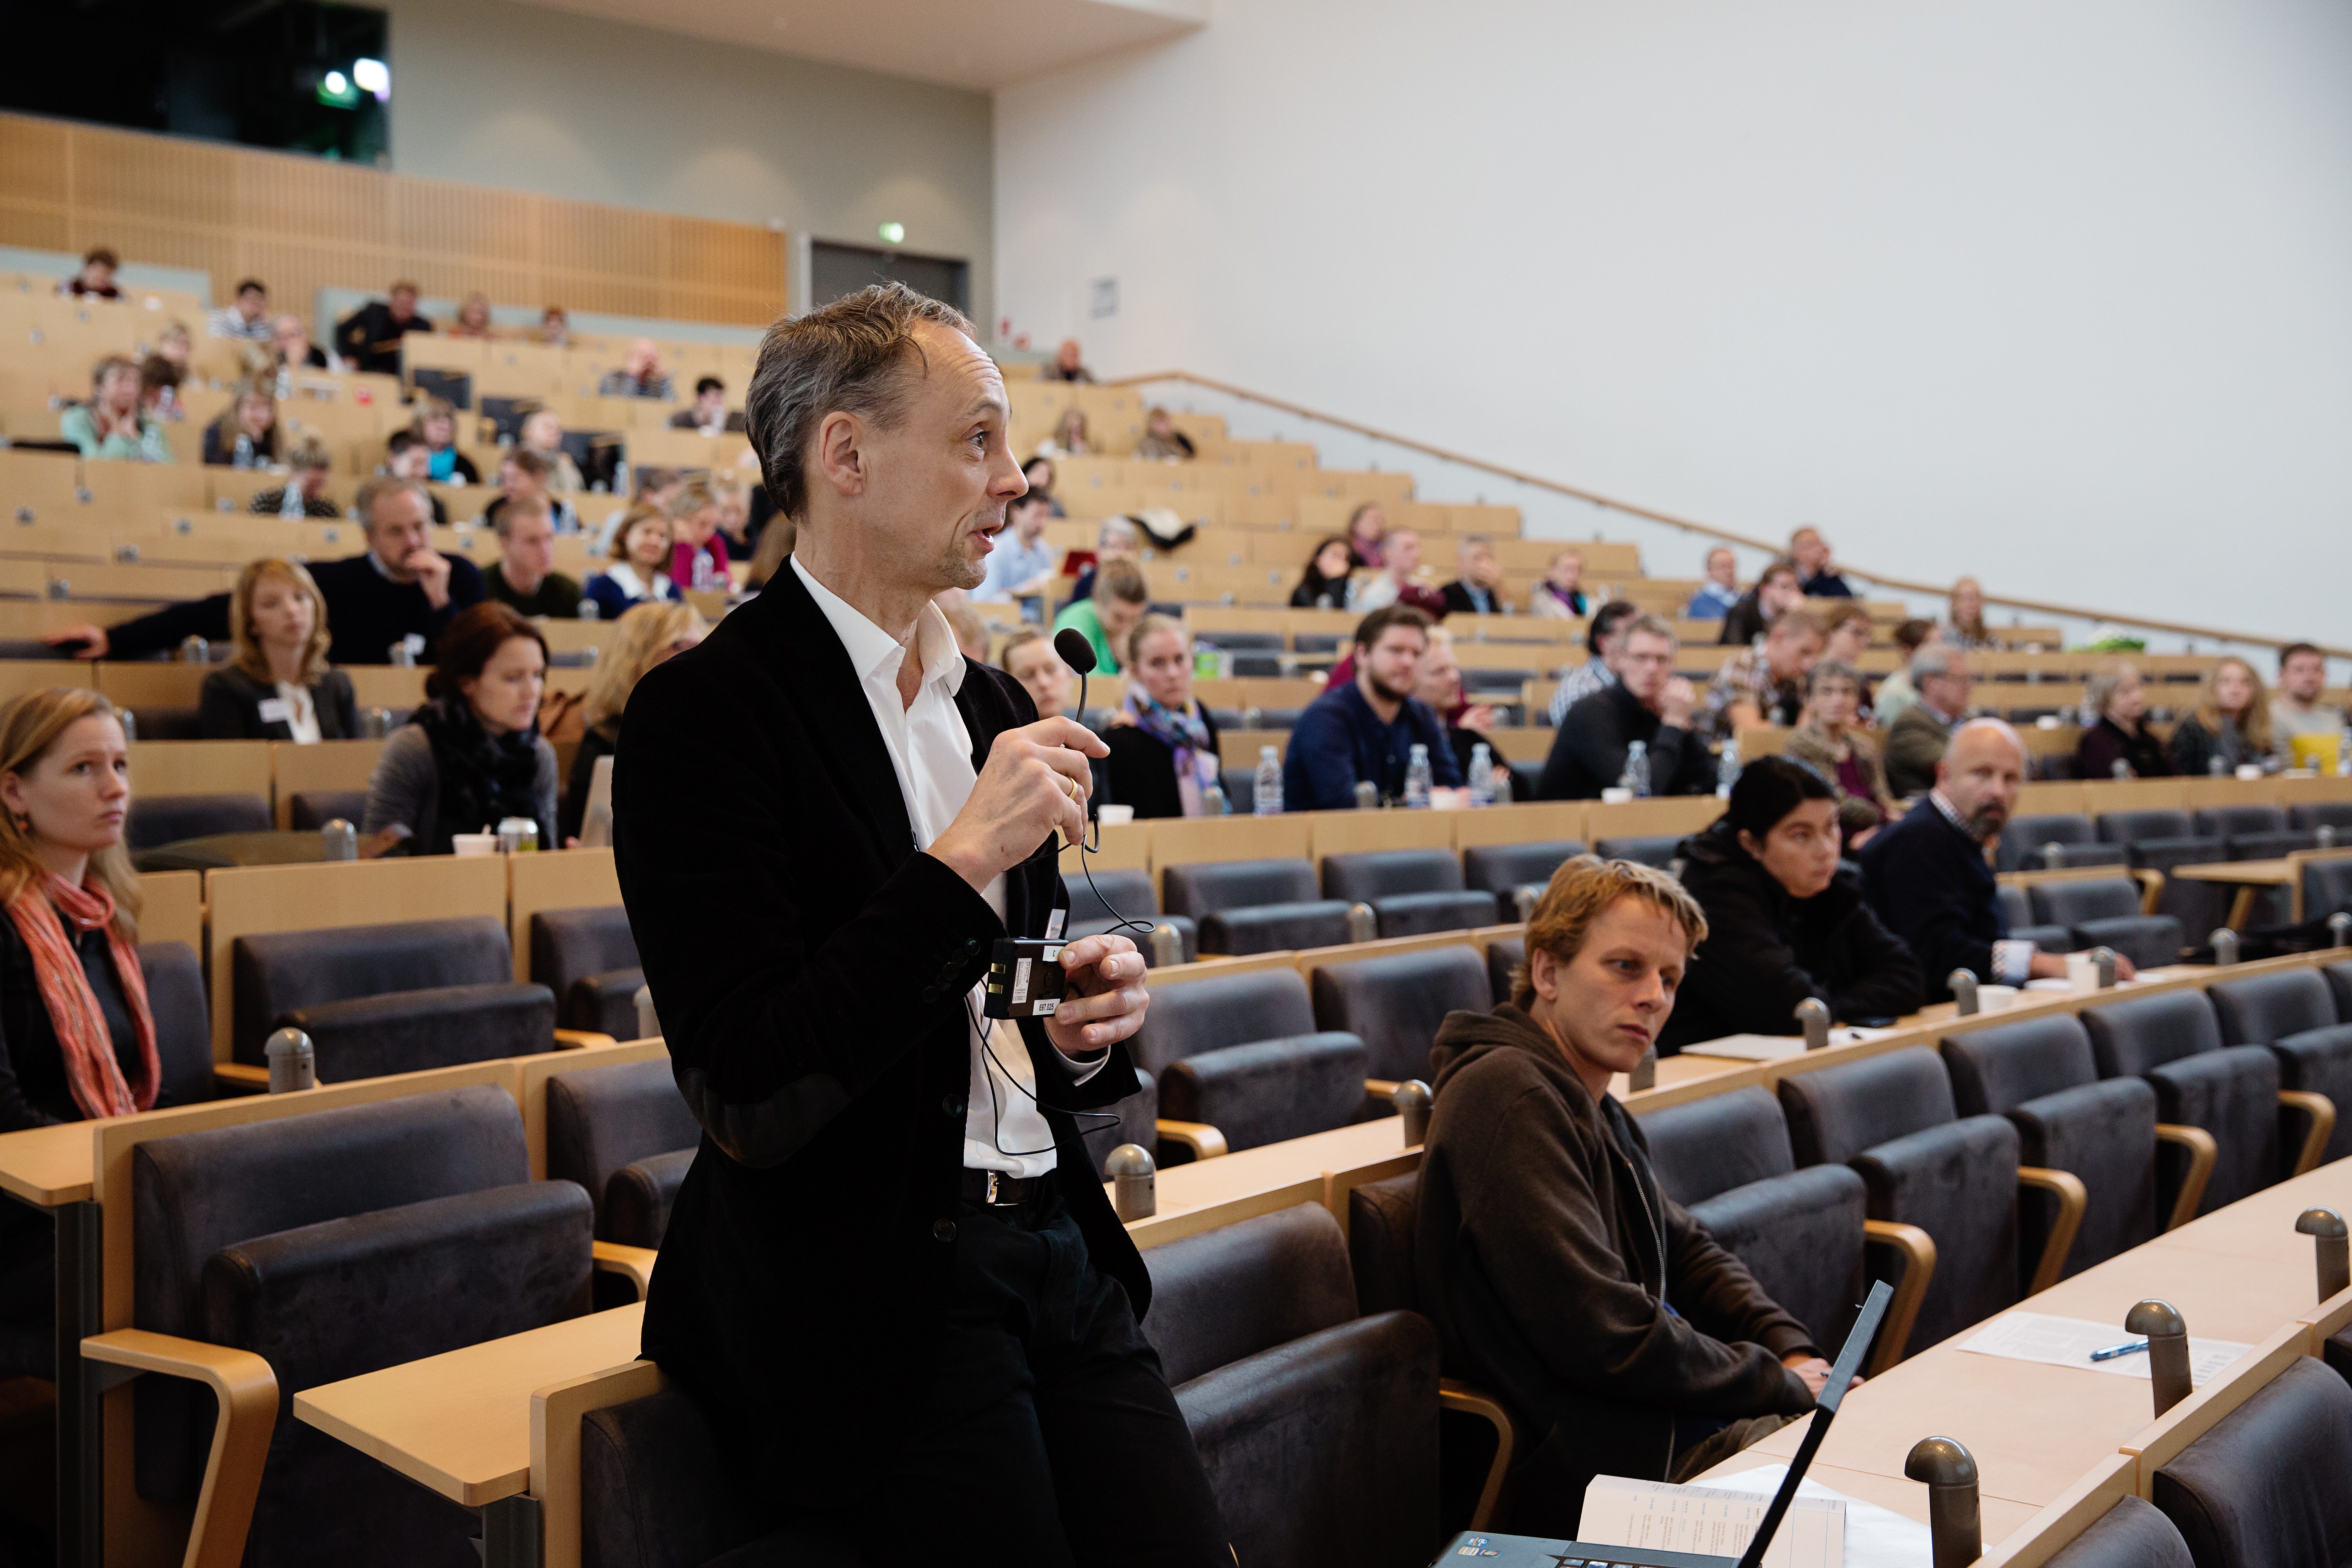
pixel 1527 1551
pixel 1772 1047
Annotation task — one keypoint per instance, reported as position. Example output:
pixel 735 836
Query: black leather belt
pixel 997 1190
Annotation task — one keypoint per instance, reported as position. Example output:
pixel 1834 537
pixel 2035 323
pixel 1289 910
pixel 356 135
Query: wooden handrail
pixel 2036 606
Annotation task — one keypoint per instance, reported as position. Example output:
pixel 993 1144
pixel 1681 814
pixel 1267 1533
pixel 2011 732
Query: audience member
pixel 1896 693
pixel 1832 742
pixel 277 685
pixel 698 555
pixel 1393 583
pixel 246 435
pixel 1623 1336
pixel 2120 745
pixel 554 327
pixel 776 541
pixel 1477 585
pixel 1819 578
pixel 111 425
pixel 523 476
pixel 1067 364
pixel 1039 472
pixel 639 572
pixel 1069 437
pixel 542 433
pixel 294 348
pixel 1765 684
pixel 406 457
pixel 656 488
pixel 1647 702
pixel 736 524
pixel 1779 590
pixel 2296 712
pixel 1367 528
pixel 96 279
pixel 1324 584
pixel 1438 686
pixel 708 414
pixel 1785 917
pixel 1846 633
pixel 1363 730
pixel 304 493
pixel 1028 657
pixel 1162 442
pixel 2231 725
pixel 1105 618
pixel 642 639
pixel 1966 628
pixel 159 388
pixel 524 578
pixel 369 338
pixel 1163 744
pixel 247 318
pixel 472 756
pixel 1560 595
pixel 176 346
pixel 1023 564
pixel 1116 539
pixel 436 421
pixel 640 374
pixel 1941 678
pixel 1928 879
pixel 1602 636
pixel 1720 592
pixel 473 318
pixel 971 631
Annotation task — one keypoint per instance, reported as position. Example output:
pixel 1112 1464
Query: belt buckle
pixel 990 1197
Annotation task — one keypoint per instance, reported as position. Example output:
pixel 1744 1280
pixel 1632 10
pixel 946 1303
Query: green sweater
pixel 1082 615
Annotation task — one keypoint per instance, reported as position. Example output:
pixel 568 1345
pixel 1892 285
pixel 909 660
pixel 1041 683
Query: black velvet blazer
pixel 229 706
pixel 810 967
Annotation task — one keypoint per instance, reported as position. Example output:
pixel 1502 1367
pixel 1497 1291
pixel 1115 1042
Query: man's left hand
pixel 1106 998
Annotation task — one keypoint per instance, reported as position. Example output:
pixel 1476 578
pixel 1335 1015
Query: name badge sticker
pixel 277 711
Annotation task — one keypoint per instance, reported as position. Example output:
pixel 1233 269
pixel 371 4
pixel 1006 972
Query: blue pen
pixel 2130 1347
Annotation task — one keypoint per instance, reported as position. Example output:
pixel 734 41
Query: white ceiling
pixel 980 43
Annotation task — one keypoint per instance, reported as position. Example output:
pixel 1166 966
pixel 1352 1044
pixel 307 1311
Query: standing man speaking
pixel 891 1277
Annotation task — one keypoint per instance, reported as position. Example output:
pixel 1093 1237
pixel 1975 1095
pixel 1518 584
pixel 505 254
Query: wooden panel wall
pixel 302 223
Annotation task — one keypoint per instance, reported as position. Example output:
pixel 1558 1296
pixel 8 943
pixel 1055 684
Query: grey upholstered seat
pixel 1109 901
pixel 588 957
pixel 1242 1053
pixel 2016 912
pixel 2264 1488
pixel 1654 849
pixel 2134 1533
pixel 2173 1040
pixel 2024 838
pixel 411 1031
pixel 1412 892
pixel 1503 956
pixel 2315 814
pixel 600 1120
pixel 314 809
pixel 2326 888
pixel 1394 1003
pixel 183 1027
pixel 2105 911
pixel 1254 906
pixel 1502 869
pixel 274 974
pixel 2162 840
pixel 168 818
pixel 2294 1013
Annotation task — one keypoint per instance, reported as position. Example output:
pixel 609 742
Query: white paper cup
pixel 1616 795
pixel 2249 770
pixel 469 843
pixel 2082 973
pixel 1995 998
pixel 1114 815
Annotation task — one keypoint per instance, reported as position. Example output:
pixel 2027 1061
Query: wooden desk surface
pixel 2247 873
pixel 1183 1188
pixel 1892 1493
pixel 460 1422
pixel 48 1166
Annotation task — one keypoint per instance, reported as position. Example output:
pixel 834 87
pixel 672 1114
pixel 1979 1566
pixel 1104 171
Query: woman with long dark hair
pixel 473 754
pixel 1325 584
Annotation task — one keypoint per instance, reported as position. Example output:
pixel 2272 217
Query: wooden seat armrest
pixel 1205 1141
pixel 635 1262
pixel 241 1077
pixel 1453 1394
pixel 2203 1153
pixel 580 1039
pixel 2322 1112
pixel 1919 1252
pixel 1381 1088
pixel 2074 1198
pixel 2151 887
pixel 244 1395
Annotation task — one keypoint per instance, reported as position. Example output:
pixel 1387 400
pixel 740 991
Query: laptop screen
pixel 1825 1404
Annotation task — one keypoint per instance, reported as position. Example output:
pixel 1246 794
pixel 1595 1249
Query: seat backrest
pixel 656 1488
pixel 1210 885
pixel 2129 1037
pixel 2022 838
pixel 1503 956
pixel 168 818
pixel 2311 814
pixel 639 1199
pixel 2339 981
pixel 2016 906
pixel 570 944
pixel 1394 1003
pixel 1655 849
pixel 2262 1008
pixel 600 1120
pixel 2070 903
pixel 2132 1534
pixel 414 1031
pixel 183 1028
pixel 1500 868
pixel 1713 1144
pixel 1112 896
pixel 2326 887
pixel 2233 821
pixel 1222 1294
pixel 1210 1013
pixel 2131 827
pixel 1995 1070
pixel 274 974
pixel 1837 1112
pixel 1270 1091
pixel 1380 1243
pixel 314 809
pixel 1377 873
pixel 2264 1488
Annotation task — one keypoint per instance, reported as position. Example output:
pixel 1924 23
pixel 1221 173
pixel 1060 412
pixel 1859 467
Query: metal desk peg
pixel 1363 925
pixel 2225 946
pixel 293 1063
pixel 1525 898
pixel 2119 769
pixel 1214 802
pixel 1963 986
pixel 1134 1183
pixel 1167 945
pixel 376 723
pixel 648 1023
pixel 2333 1249
pixel 1367 795
pixel 339 840
pixel 1955 1525
pixel 196 650
pixel 2325 838
pixel 2053 855
pixel 2103 960
pixel 1645 1074
pixel 2168 1350
pixel 1814 1018
pixel 2339 929
pixel 130 722
pixel 1410 1098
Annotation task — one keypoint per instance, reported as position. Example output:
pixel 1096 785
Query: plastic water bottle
pixel 1416 778
pixel 1727 770
pixel 1636 776
pixel 2344 753
pixel 705 572
pixel 243 456
pixel 1267 791
pixel 1482 775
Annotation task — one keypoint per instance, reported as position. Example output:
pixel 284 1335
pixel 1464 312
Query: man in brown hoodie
pixel 1623 1339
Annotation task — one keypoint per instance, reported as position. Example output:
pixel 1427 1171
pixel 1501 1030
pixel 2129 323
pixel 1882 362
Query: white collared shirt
pixel 930 750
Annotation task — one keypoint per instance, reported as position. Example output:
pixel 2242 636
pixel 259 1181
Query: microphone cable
pixel 1080 654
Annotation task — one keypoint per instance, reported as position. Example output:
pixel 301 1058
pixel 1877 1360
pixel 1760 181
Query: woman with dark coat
pixel 2122 734
pixel 473 755
pixel 1163 744
pixel 278 685
pixel 1785 917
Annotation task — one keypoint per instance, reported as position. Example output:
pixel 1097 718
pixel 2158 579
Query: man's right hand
pixel 1676 703
pixel 431 570
pixel 1036 783
pixel 93 640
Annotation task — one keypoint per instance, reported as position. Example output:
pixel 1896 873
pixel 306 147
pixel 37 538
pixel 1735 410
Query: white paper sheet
pixel 1709 1520
pixel 1876 1537
pixel 1771 1047
pixel 2069 1342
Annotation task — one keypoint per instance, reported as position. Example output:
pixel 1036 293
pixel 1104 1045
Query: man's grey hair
pixel 384 485
pixel 1647 624
pixel 1470 541
pixel 846 358
pixel 1118 530
pixel 1933 659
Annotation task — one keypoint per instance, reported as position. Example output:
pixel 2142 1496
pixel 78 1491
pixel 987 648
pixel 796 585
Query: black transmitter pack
pixel 1024 977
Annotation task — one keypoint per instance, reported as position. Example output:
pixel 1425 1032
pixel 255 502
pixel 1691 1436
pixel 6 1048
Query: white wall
pixel 2057 294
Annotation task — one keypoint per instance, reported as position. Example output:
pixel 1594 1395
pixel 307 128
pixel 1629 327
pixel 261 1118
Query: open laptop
pixel 1527 1551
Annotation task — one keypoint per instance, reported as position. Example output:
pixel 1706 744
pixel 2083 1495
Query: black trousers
pixel 1049 1436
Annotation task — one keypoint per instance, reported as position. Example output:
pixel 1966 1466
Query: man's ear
pixel 1543 973
pixel 840 456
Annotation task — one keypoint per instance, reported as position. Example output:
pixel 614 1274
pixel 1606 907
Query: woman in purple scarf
pixel 1164 745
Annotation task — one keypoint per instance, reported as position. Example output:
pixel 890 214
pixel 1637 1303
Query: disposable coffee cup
pixel 1616 795
pixel 2249 770
pixel 470 844
pixel 2082 973
pixel 1114 815
pixel 1995 998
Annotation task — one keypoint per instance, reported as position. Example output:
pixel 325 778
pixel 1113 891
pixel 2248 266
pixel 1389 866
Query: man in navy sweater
pixel 1365 729
pixel 1928 878
pixel 401 592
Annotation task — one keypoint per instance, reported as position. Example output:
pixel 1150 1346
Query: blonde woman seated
pixel 1163 744
pixel 1831 741
pixel 1966 628
pixel 277 686
pixel 2120 745
pixel 246 433
pixel 1162 442
pixel 542 433
pixel 639 573
pixel 646 637
pixel 1028 657
pixel 1069 437
pixel 2231 724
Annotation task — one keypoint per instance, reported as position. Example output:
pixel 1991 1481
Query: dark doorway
pixel 838 270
